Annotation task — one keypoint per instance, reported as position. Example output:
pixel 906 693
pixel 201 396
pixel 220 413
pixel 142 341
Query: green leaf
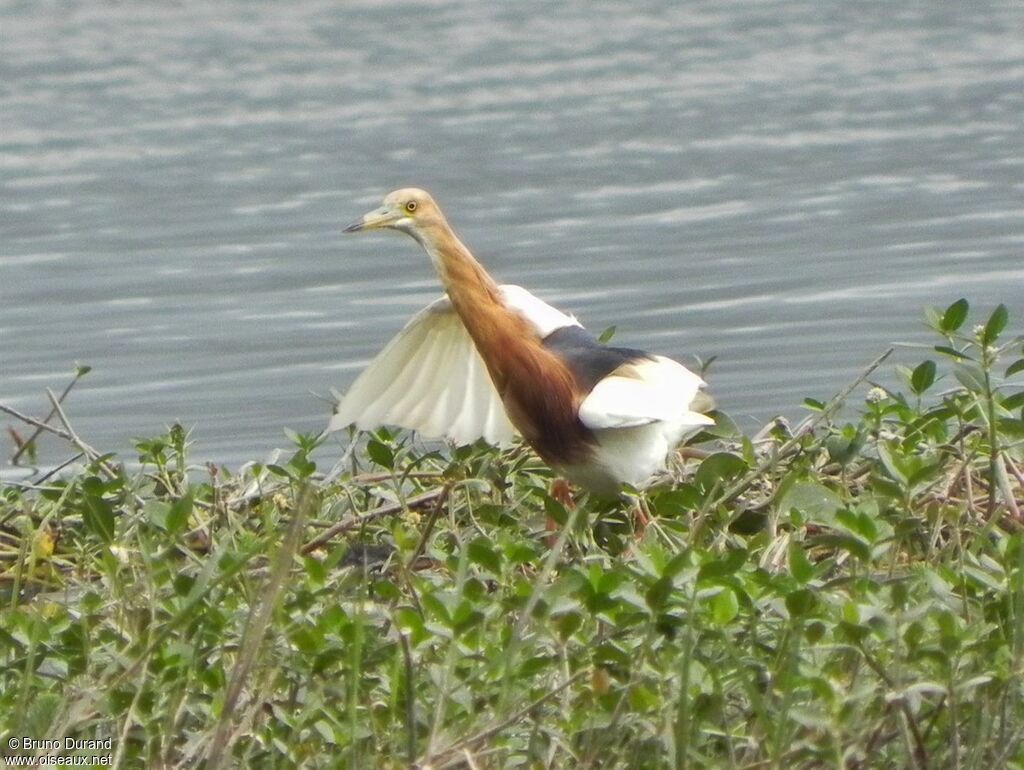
pixel 184 585
pixel 555 511
pixel 658 593
pixel 854 545
pixel 954 316
pixel 179 513
pixel 995 325
pixel 465 617
pixel 853 632
pixel 436 608
pixel 724 427
pixel 1011 426
pixel 385 590
pixel 568 624
pixel 814 500
pixel 411 624
pixel 800 602
pixel 156 512
pixel 316 571
pixel 974 681
pixel 800 566
pixel 923 377
pixel 859 523
pixel 97 512
pixel 970 376
pixel 845 446
pixel 722 567
pixel 719 469
pixel 606 335
pixel 607 582
pixel 380 453
pixel 677 563
pixel 895 472
pixel 1015 367
pixel 673 503
pixel 814 631
pixel 959 355
pixel 609 653
pixel 724 607
pixel 301 466
pixel 481 551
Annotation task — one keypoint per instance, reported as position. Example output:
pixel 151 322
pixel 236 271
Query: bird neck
pixel 537 388
pixel 474 294
pixel 461 275
pixel 498 332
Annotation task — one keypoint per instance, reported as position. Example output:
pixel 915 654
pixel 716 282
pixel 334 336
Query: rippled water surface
pixel 782 185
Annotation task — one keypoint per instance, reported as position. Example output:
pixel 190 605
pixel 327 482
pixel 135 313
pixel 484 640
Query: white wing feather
pixel 428 378
pixel 659 390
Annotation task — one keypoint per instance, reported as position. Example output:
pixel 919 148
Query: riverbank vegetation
pixel 847 592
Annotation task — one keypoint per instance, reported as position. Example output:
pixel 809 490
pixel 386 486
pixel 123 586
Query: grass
pixel 846 594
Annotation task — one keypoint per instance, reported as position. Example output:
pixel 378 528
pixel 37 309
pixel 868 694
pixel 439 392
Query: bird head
pixel 409 210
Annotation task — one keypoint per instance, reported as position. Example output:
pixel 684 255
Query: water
pixel 782 185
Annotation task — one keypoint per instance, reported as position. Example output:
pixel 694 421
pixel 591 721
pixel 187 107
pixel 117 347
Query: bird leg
pixel 640 511
pixel 562 492
pixel 641 518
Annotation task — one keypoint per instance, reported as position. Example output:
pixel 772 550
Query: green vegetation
pixel 846 594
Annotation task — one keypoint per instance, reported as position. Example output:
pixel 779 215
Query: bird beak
pixel 374 220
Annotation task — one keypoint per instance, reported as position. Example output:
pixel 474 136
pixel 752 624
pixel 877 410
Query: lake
pixel 781 185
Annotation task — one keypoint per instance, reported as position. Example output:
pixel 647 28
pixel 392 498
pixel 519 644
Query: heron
pixel 490 361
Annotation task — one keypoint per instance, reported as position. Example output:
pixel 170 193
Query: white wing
pixel 428 378
pixel 658 390
pixel 539 314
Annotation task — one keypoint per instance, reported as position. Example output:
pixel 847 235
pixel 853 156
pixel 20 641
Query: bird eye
pixel 410 206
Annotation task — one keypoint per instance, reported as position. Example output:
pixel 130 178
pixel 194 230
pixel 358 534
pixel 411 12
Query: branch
pixel 79 373
pixel 358 521
pixel 735 490
pixel 33 421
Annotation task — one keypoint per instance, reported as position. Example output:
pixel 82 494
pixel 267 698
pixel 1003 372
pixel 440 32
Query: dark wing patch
pixel 587 359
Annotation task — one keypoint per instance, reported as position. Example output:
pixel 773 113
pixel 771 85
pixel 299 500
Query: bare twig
pixel 375 478
pixel 434 513
pixel 33 421
pixel 355 522
pixel 39 429
pixel 919 752
pixel 68 434
pixel 73 437
pixel 57 469
pixel 90 452
pixel 459 746
pixel 1003 479
pixel 256 627
pixel 410 699
pixel 1017 473
pixel 792 444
